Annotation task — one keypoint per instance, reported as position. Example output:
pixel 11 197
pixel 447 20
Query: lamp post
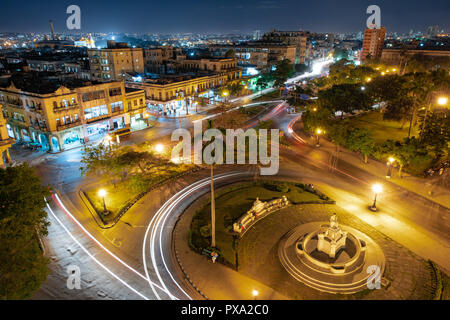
pixel 102 193
pixel 255 294
pixel 108 138
pixel 389 164
pixel 376 188
pixel 225 94
pixel 318 132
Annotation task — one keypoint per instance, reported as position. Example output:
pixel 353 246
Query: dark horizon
pixel 201 16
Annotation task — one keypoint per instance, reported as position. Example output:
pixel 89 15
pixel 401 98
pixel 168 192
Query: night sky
pixel 206 16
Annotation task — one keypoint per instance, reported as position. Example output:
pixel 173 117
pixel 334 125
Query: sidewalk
pixel 214 280
pixel 179 113
pixel 420 186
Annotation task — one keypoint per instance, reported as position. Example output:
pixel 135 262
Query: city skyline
pixel 233 17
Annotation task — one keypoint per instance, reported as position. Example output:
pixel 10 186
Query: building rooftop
pixel 43 82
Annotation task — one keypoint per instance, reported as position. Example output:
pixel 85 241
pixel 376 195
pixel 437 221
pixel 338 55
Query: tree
pixel 436 132
pixel 345 97
pixel 361 139
pixel 98 160
pixel 419 86
pixel 23 267
pixel 283 70
pixel 316 117
pixel 264 80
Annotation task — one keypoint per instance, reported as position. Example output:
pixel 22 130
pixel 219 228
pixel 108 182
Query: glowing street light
pixel 376 188
pixel 442 101
pixel 318 132
pixel 368 79
pixel 389 164
pixel 255 293
pixel 109 139
pixel 363 88
pixel 102 193
pixel 159 148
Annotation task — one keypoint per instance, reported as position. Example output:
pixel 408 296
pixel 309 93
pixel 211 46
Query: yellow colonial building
pixel 171 93
pixel 5 142
pixel 67 115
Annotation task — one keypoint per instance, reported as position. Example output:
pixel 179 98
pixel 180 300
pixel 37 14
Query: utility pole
pixel 213 211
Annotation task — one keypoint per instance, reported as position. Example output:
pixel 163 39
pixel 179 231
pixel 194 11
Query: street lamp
pixel 108 138
pixel 102 193
pixel 318 132
pixel 442 101
pixel 389 164
pixel 376 188
pixel 255 294
pixel 159 148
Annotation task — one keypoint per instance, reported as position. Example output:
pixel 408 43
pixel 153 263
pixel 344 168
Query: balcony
pixel 60 127
pixel 7 142
pixel 64 108
pixel 105 116
pixel 13 104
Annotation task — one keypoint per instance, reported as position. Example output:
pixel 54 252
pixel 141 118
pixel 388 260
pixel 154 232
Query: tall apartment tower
pixel 373 43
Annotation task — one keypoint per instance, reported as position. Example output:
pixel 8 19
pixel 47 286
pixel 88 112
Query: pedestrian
pixel 213 256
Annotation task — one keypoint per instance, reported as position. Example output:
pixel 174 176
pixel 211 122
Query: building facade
pixel 169 94
pixel 69 116
pixel 5 142
pixel 373 43
pixel 394 56
pixel 260 55
pixel 114 62
pixel 295 38
pixel 157 58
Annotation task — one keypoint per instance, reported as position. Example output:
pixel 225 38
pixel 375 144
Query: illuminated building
pixel 112 63
pixel 170 93
pixel 5 142
pixel 373 43
pixel 257 54
pixel 62 116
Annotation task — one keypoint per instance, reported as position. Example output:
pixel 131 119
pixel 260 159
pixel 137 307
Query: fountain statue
pixel 333 239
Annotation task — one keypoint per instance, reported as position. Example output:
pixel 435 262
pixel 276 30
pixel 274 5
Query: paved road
pixel 137 252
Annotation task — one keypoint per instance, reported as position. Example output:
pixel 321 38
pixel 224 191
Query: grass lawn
pixel 252 111
pixel 269 96
pixel 125 191
pixel 382 129
pixel 116 198
pixel 233 202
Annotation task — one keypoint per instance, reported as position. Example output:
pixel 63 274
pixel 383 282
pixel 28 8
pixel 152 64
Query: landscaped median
pixel 233 202
pixel 125 175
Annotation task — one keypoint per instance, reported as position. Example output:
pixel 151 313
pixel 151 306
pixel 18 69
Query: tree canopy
pixel 22 218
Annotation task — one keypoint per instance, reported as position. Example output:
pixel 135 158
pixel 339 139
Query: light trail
pixel 92 257
pixel 58 201
pixel 302 141
pixel 157 225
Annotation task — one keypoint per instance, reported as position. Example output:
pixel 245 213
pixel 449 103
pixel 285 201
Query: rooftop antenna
pixel 52 30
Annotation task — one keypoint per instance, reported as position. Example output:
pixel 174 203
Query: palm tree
pixel 419 85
